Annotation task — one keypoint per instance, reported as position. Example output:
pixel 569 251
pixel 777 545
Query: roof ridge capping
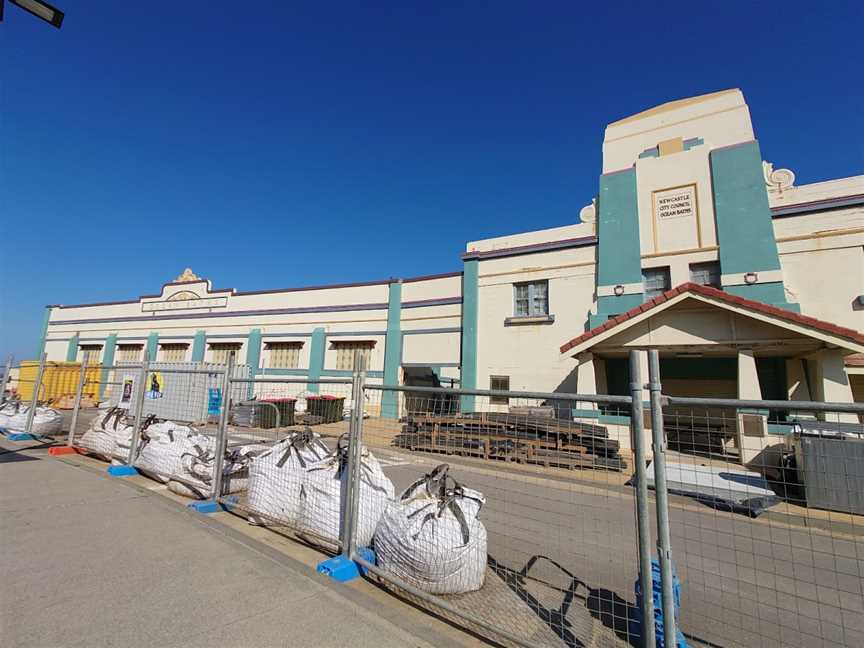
pixel 722 295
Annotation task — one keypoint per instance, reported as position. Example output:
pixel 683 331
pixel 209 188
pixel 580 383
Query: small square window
pixel 91 353
pixel 499 383
pixel 531 299
pixel 220 352
pixel 129 352
pixel 284 355
pixel 347 351
pixel 706 274
pixel 655 281
pixel 173 352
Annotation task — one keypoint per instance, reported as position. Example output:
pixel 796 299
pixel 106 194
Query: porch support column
pixel 796 380
pixel 832 384
pixel 588 382
pixel 748 378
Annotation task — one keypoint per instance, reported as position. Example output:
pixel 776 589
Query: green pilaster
pixel 107 361
pixel 198 346
pixel 44 335
pixel 392 351
pixel 152 346
pixel 744 229
pixel 253 356
pixel 253 350
pixel 72 348
pixel 470 310
pixel 619 252
pixel 316 357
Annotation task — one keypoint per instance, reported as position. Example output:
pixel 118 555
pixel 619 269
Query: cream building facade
pixel 749 285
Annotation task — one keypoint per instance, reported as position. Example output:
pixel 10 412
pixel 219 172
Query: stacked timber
pixel 513 437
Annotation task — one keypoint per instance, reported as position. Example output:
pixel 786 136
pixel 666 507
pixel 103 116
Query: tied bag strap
pixel 447 491
pixel 305 440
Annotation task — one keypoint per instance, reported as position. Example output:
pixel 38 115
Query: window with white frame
pixel 531 299
pixel 705 274
pixel 173 352
pixel 129 352
pixel 90 353
pixel 499 383
pixel 284 355
pixel 655 281
pixel 347 351
pixel 221 351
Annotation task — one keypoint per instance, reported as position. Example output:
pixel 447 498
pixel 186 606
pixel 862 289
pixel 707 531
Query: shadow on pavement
pixel 603 605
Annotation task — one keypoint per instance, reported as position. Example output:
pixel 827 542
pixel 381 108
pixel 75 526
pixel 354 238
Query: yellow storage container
pixel 60 379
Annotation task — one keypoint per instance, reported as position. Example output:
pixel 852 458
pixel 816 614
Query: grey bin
pixel 831 468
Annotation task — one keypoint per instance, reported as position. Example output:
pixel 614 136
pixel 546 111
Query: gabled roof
pixel 721 298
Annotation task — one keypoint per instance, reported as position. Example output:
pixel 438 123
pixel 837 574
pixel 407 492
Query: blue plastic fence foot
pixel 122 471
pixel 20 436
pixel 342 569
pixel 212 506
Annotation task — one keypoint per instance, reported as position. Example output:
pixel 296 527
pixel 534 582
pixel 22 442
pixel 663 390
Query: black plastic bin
pixel 286 412
pixel 329 408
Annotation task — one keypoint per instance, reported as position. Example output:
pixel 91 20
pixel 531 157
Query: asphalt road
pixel 745 582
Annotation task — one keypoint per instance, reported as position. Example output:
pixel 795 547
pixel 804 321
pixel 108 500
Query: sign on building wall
pixel 676 218
pixel 675 203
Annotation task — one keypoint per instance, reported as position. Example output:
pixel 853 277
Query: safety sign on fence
pixel 214 401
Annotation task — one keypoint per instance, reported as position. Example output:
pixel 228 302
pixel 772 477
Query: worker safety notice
pixel 214 401
pixel 675 203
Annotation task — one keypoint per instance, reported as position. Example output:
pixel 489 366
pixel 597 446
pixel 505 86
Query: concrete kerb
pixel 372 602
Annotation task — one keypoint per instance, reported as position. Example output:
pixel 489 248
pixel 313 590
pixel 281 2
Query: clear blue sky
pixel 274 144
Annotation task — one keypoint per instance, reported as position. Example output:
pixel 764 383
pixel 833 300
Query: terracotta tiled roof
pixel 714 293
pixel 855 360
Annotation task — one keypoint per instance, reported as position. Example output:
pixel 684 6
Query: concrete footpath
pixel 88 560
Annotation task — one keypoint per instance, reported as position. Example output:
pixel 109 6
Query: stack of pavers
pixel 523 438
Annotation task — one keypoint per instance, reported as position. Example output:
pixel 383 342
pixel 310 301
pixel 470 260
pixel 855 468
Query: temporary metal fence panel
pixel 95 426
pixel 512 512
pixel 180 391
pixel 294 432
pixel 767 535
pixel 31 405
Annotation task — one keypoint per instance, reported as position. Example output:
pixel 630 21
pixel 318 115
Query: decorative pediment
pixel 183 294
pixel 187 276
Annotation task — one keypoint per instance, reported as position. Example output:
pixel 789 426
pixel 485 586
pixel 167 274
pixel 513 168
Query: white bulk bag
pixel 163 446
pixel 195 477
pixel 46 421
pixel 324 492
pixel 7 411
pixel 104 434
pixel 431 537
pixel 276 477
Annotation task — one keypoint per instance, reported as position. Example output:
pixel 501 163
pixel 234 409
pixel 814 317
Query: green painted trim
pixel 152 346
pixel 107 361
pixel 199 346
pixel 615 419
pixel 45 320
pixel 780 428
pixel 316 357
pixel 618 246
pixel 693 142
pixel 345 373
pixel 253 356
pixel 744 230
pixel 71 349
pixel 392 351
pixel 282 372
pixel 589 414
pixel 769 293
pixel 470 308
pixel 649 153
